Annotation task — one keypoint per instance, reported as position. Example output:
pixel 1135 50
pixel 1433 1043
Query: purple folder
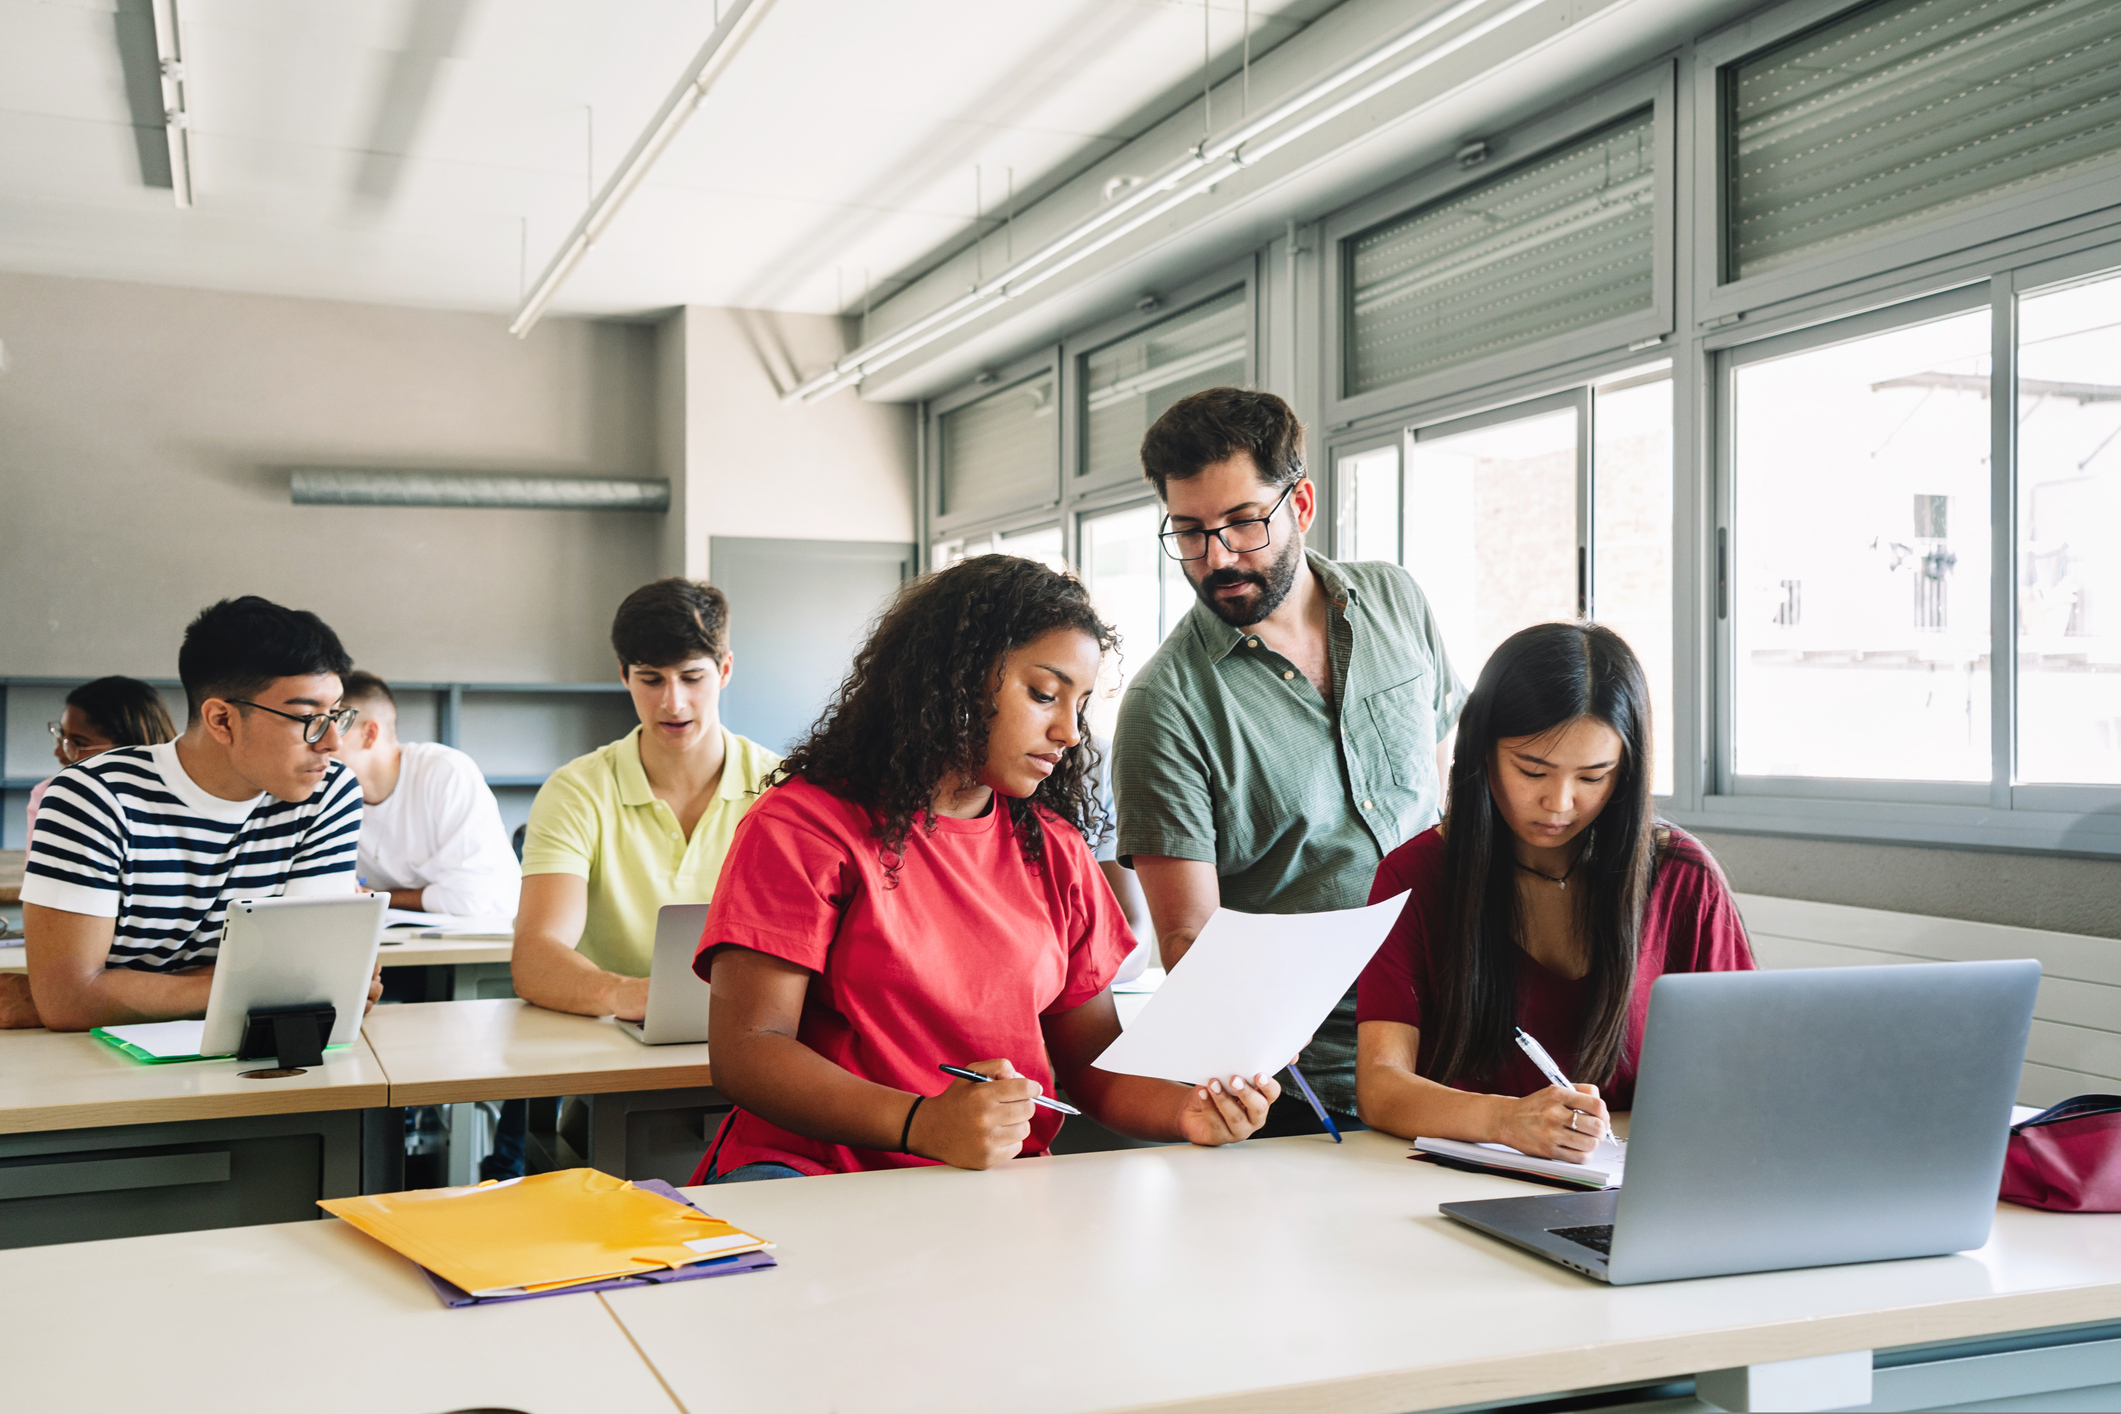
pixel 454 1295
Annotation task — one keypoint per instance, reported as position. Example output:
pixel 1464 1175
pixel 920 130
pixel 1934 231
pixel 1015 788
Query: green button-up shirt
pixel 1226 753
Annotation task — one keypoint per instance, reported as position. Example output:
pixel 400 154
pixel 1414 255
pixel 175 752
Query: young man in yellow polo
pixel 642 822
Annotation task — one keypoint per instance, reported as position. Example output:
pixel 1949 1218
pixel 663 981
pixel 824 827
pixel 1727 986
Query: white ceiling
pixel 400 151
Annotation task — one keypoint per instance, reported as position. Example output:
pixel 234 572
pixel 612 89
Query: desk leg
pixel 1789 1386
pixel 383 1151
pixel 652 1133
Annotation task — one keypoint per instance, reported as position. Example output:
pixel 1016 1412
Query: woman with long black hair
pixel 915 891
pixel 1549 898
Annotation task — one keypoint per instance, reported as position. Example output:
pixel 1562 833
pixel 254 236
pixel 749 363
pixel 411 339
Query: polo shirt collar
pixel 1217 640
pixel 633 777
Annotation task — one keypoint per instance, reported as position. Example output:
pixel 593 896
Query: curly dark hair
pixel 913 710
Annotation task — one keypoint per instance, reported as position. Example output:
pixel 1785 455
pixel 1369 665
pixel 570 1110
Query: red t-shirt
pixel 1689 924
pixel 956 963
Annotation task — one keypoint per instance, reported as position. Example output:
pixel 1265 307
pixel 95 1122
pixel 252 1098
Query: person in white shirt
pixel 431 832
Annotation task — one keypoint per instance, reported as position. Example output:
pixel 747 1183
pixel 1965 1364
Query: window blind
pixel 1562 243
pixel 1128 384
pixel 1000 453
pixel 1901 112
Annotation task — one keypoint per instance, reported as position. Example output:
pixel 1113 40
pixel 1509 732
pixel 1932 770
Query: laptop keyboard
pixel 1597 1236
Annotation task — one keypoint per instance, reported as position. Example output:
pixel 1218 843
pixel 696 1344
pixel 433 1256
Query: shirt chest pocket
pixel 1402 725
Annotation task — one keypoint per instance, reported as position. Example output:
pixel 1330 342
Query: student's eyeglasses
pixel 1239 537
pixel 73 748
pixel 314 725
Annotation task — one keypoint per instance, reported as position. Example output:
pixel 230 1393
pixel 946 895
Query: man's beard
pixel 1274 586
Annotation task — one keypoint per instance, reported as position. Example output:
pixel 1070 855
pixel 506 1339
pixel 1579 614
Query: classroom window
pixel 1369 503
pixel 2069 528
pixel 1042 543
pixel 1491 530
pixel 1136 589
pixel 1552 510
pixel 1859 589
pixel 1900 113
pixel 1564 242
pixel 1129 383
pixel 1001 452
pixel 1631 540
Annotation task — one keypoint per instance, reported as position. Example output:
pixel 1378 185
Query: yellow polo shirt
pixel 595 818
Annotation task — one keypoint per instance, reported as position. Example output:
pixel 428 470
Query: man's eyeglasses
pixel 314 725
pixel 1239 537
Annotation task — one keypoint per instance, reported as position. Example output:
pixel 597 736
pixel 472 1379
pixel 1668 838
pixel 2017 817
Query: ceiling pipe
pixel 356 486
pixel 1199 171
pixel 715 56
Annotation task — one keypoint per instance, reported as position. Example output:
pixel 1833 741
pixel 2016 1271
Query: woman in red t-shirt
pixel 1550 898
pixel 916 891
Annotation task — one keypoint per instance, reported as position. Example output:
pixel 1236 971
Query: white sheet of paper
pixel 1250 993
pixel 162 1039
pixel 483 924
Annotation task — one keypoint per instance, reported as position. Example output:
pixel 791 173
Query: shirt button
pixel 1251 643
pixel 1286 675
pixel 1366 805
pixel 676 835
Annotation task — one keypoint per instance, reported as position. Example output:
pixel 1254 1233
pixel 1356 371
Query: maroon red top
pixel 1689 924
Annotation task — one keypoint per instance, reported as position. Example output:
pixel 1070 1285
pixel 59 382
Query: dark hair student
pixel 671 621
pixel 234 649
pixel 126 711
pixel 915 891
pixel 1550 898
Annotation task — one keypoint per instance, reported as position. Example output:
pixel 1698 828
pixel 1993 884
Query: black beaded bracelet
pixel 906 1130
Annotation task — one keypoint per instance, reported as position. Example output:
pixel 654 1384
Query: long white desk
pixel 1278 1275
pixel 311 1316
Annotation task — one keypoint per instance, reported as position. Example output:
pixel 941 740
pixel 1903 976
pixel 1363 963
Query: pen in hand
pixel 1552 1072
pixel 963 1074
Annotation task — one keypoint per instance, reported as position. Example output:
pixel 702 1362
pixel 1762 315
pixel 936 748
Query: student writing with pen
pixel 916 892
pixel 1550 899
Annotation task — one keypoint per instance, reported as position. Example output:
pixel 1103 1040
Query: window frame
pixel 1999 812
pixel 1654 88
pixel 1716 296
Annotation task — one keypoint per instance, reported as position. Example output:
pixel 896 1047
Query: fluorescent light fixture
pixel 1130 207
pixel 714 57
pixel 176 121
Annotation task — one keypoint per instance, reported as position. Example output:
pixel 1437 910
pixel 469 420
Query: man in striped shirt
pixel 137 852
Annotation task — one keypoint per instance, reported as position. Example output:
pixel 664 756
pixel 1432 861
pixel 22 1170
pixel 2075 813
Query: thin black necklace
pixel 1563 880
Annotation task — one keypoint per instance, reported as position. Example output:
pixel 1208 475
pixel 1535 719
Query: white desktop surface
pixel 1285 1274
pixel 311 1316
pixel 445 1053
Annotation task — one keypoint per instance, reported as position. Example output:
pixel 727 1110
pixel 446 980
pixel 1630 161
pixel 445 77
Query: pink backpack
pixel 2067 1158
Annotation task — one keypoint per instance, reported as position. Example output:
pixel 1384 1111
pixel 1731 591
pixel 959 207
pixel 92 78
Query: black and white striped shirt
pixel 128 835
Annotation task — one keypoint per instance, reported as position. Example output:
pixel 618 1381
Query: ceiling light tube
pixel 176 121
pixel 707 66
pixel 1208 165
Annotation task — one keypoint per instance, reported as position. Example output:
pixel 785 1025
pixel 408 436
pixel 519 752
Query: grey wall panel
pixel 797 611
pixel 2023 890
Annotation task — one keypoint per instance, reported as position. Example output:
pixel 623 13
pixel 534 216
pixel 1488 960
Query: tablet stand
pixel 296 1034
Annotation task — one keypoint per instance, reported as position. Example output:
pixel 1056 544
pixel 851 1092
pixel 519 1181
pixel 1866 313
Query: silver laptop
pixel 1800 1119
pixel 677 998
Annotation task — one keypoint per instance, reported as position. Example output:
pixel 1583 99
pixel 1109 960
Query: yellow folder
pixel 544 1231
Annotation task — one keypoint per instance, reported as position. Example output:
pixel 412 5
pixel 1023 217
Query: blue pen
pixel 963 1074
pixel 1316 1108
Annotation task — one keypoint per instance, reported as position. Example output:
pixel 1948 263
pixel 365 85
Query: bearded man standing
pixel 1291 730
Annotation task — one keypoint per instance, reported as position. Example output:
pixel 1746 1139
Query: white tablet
pixel 282 952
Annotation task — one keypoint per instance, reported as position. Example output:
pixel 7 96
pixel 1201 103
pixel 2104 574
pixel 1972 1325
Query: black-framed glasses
pixel 314 725
pixel 1239 537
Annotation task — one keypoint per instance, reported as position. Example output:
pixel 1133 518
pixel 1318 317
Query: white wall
pixel 145 436
pixel 840 469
